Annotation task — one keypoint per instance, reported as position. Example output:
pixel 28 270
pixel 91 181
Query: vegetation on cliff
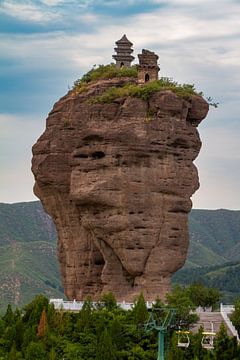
pixel 109 71
pixel 145 91
pixel 129 89
pixel 105 332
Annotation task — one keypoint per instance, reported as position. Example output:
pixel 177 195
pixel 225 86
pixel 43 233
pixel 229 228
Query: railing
pixel 60 304
pixel 225 310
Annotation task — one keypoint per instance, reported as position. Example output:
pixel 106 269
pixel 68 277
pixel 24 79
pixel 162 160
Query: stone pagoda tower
pixel 148 68
pixel 123 50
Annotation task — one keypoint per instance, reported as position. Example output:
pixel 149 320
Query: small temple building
pixel 148 67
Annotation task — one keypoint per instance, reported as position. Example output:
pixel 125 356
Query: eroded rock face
pixel 117 180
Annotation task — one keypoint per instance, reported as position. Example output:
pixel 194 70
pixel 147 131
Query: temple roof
pixel 124 40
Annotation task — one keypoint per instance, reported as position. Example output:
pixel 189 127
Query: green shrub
pixel 145 91
pixel 109 71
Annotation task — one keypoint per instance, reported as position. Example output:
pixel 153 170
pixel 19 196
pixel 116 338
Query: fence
pixel 225 311
pixel 60 304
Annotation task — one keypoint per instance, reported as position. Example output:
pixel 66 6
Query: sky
pixel 45 45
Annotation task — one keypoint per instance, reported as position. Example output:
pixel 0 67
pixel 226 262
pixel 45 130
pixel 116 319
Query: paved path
pixel 206 318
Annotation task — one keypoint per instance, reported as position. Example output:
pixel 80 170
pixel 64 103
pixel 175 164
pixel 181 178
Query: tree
pixel 117 333
pixel 13 352
pixel 140 312
pixel 109 301
pixel 9 316
pixel 33 311
pixel 72 351
pixel 35 351
pixel 19 333
pixel 203 296
pixel 235 316
pixel 226 348
pixel 52 354
pixel 84 319
pixel 179 299
pixel 105 348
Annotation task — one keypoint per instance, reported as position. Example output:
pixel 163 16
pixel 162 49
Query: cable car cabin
pixel 208 340
pixel 183 339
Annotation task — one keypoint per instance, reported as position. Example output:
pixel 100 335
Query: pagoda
pixel 123 50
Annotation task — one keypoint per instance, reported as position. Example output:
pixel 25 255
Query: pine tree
pixel 84 320
pixel 52 354
pixel 109 301
pixel 13 352
pixel 9 316
pixel 225 348
pixel 140 312
pixel 105 348
pixel 35 351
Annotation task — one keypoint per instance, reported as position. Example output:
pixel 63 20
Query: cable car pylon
pixel 160 320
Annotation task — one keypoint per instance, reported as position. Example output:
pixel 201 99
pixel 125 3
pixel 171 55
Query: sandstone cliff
pixel 117 180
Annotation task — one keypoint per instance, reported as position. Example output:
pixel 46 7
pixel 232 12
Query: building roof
pixel 124 40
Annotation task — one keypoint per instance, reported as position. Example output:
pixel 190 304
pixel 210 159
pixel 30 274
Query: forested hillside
pixel 28 263
pixel 214 236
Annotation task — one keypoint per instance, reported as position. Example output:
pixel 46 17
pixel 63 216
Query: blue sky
pixel 45 45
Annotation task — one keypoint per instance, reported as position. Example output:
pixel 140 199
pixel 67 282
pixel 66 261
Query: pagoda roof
pixel 124 40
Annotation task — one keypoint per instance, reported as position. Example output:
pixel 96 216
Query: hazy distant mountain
pixel 28 262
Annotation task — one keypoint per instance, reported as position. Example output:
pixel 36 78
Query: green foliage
pixel 105 72
pixel 33 311
pixel 202 296
pixel 108 301
pixel 35 351
pixel 105 348
pixel 140 312
pixel 100 334
pixel 179 299
pixel 235 316
pixel 9 316
pixel 193 352
pixel 145 91
pixel 226 348
pixel 84 320
pixel 111 71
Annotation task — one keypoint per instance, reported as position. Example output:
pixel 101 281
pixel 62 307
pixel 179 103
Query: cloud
pixel 218 166
pixel 53 2
pixel 27 11
pixel 16 139
pixel 198 42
